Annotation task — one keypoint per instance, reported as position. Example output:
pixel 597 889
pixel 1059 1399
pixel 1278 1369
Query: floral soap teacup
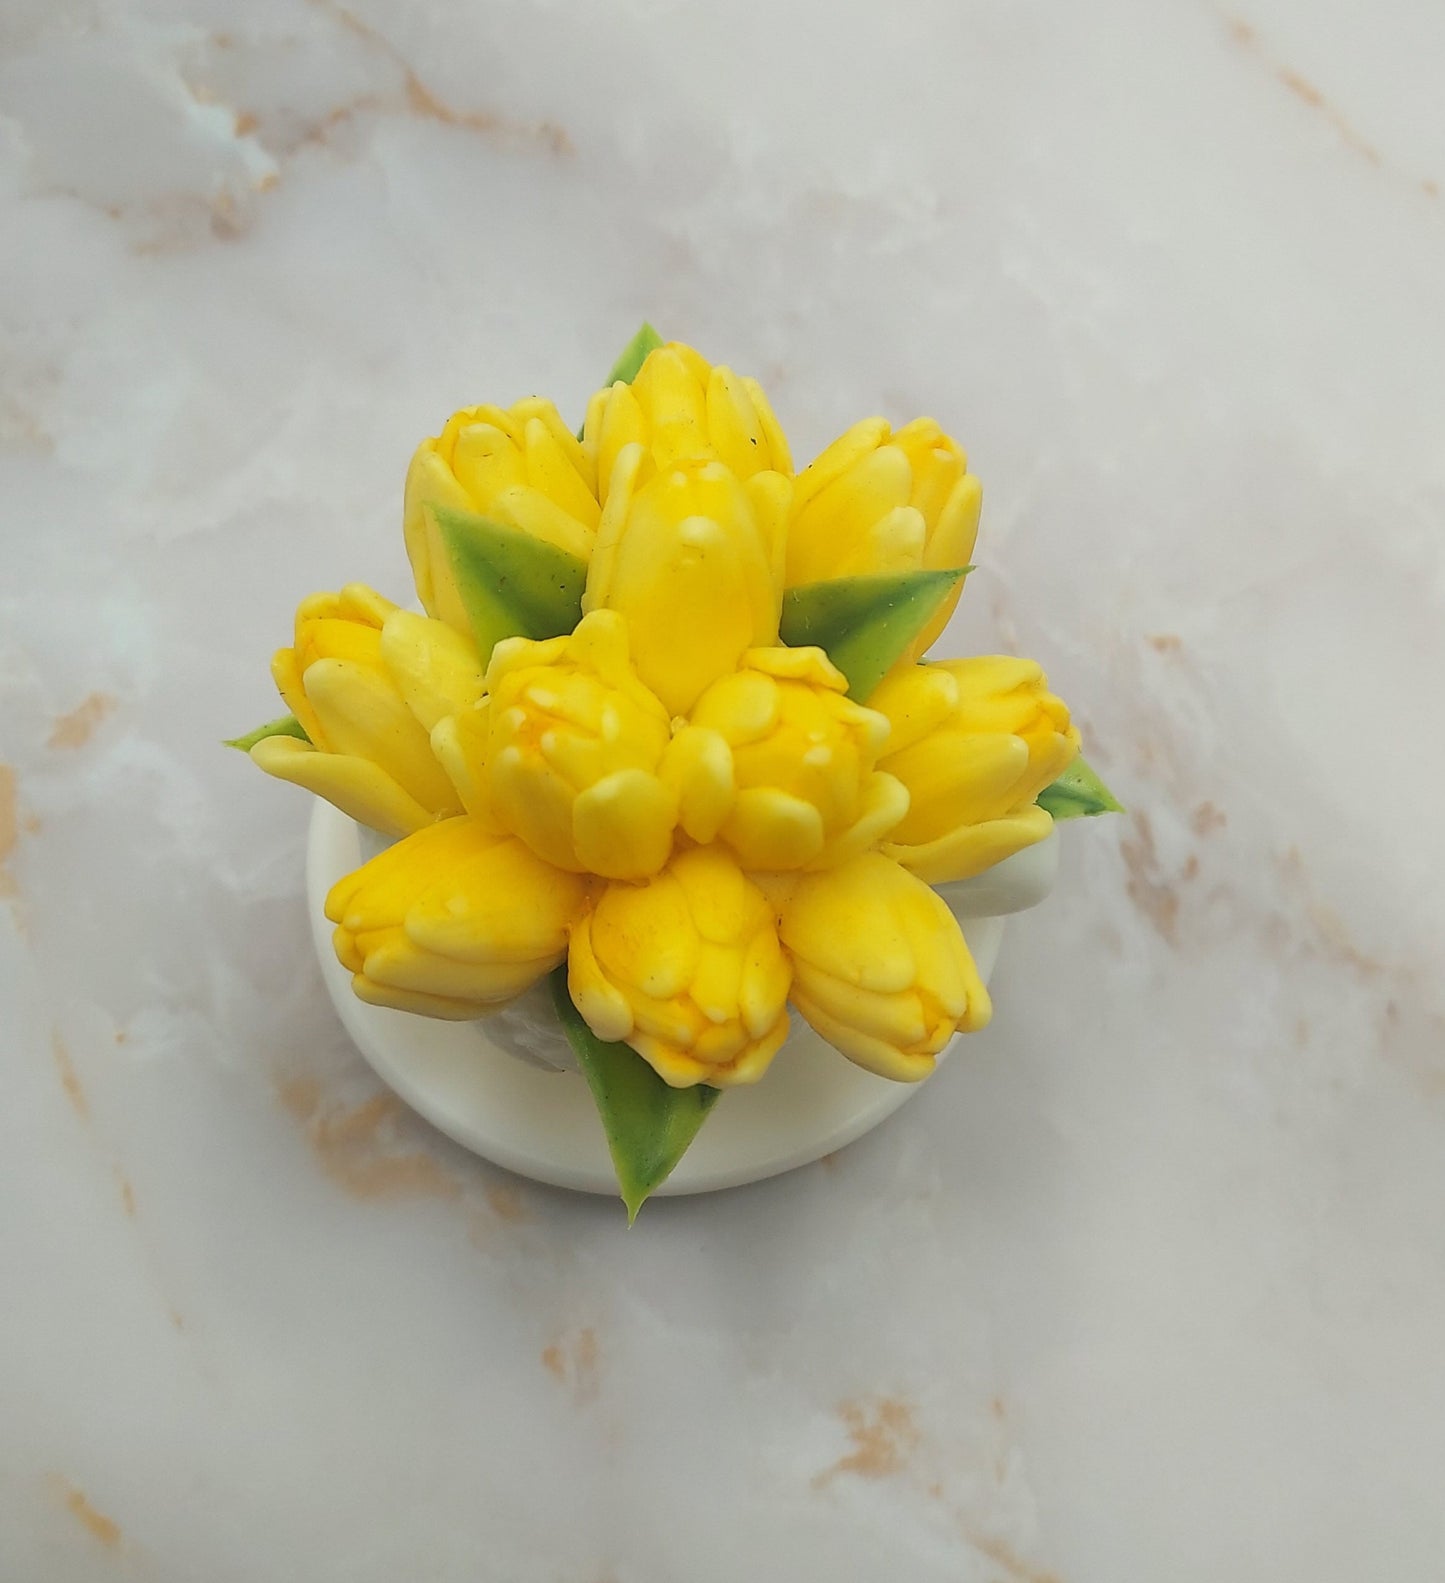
pixel 664 753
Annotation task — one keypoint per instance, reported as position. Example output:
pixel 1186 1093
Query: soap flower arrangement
pixel 666 732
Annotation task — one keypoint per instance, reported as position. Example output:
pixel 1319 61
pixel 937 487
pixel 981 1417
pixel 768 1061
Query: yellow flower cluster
pixel 695 817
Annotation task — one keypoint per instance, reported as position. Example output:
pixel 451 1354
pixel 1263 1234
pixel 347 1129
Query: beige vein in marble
pixel 75 729
pixel 9 829
pixel 573 1360
pixel 1247 37
pixel 104 1530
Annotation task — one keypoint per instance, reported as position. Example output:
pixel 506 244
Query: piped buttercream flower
pixel 881 500
pixel 975 741
pixel 453 921
pixel 367 682
pixel 681 409
pixel 520 467
pixel 566 752
pixel 692 558
pixel 686 969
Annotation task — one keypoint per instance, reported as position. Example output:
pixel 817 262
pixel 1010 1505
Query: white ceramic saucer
pixel 542 1124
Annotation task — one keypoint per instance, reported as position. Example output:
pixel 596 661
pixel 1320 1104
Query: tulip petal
pixel 555 464
pixel 459 744
pixel 338 638
pixel 362 604
pixel 390 881
pixel 956 532
pixel 436 669
pixel 619 475
pixel 754 1060
pixel 897 1017
pixel 362 714
pixel 885 802
pixel 781 459
pixel 666 389
pixel 894 543
pixel 881 969
pixel 865 1049
pixel 622 825
pixel 841 918
pixel 359 788
pixel 535 802
pixel 607 1011
pixel 485 456
pixel 430 484
pixel 830 464
pixel 771 494
pixel 502 905
pixel 414 1001
pixel 956 779
pixel 343 942
pixel 644 936
pixel 399 965
pixel 937 463
pixel 622 426
pixel 665 966
pixel 287 675
pixel 916 699
pixel 698 767
pixel 732 425
pixel 805 664
pixel 685 563
pixel 769 828
pixel 716 986
pixel 533 515
pixel 833 527
pixel 720 897
pixel 970 849
pixel 763 986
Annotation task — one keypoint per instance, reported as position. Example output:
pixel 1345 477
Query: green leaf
pixel 649 1125
pixel 511 584
pixel 864 623
pixel 286 726
pixel 634 355
pixel 1078 794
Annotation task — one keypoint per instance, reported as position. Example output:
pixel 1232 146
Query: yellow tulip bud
pixel 679 409
pixel 520 467
pixel 687 970
pixel 881 501
pixel 690 559
pixel 880 966
pixel 368 681
pixel 803 756
pixel 452 921
pixel 567 750
pixel 975 742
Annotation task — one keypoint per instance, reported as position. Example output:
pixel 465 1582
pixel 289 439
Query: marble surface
pixel 1151 1283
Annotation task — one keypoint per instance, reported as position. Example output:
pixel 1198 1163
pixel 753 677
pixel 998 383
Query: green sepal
pixel 511 584
pixel 864 624
pixel 286 726
pixel 631 358
pixel 634 355
pixel 1078 794
pixel 649 1125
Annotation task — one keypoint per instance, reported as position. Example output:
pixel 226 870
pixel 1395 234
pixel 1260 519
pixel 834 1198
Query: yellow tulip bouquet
pixel 666 733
